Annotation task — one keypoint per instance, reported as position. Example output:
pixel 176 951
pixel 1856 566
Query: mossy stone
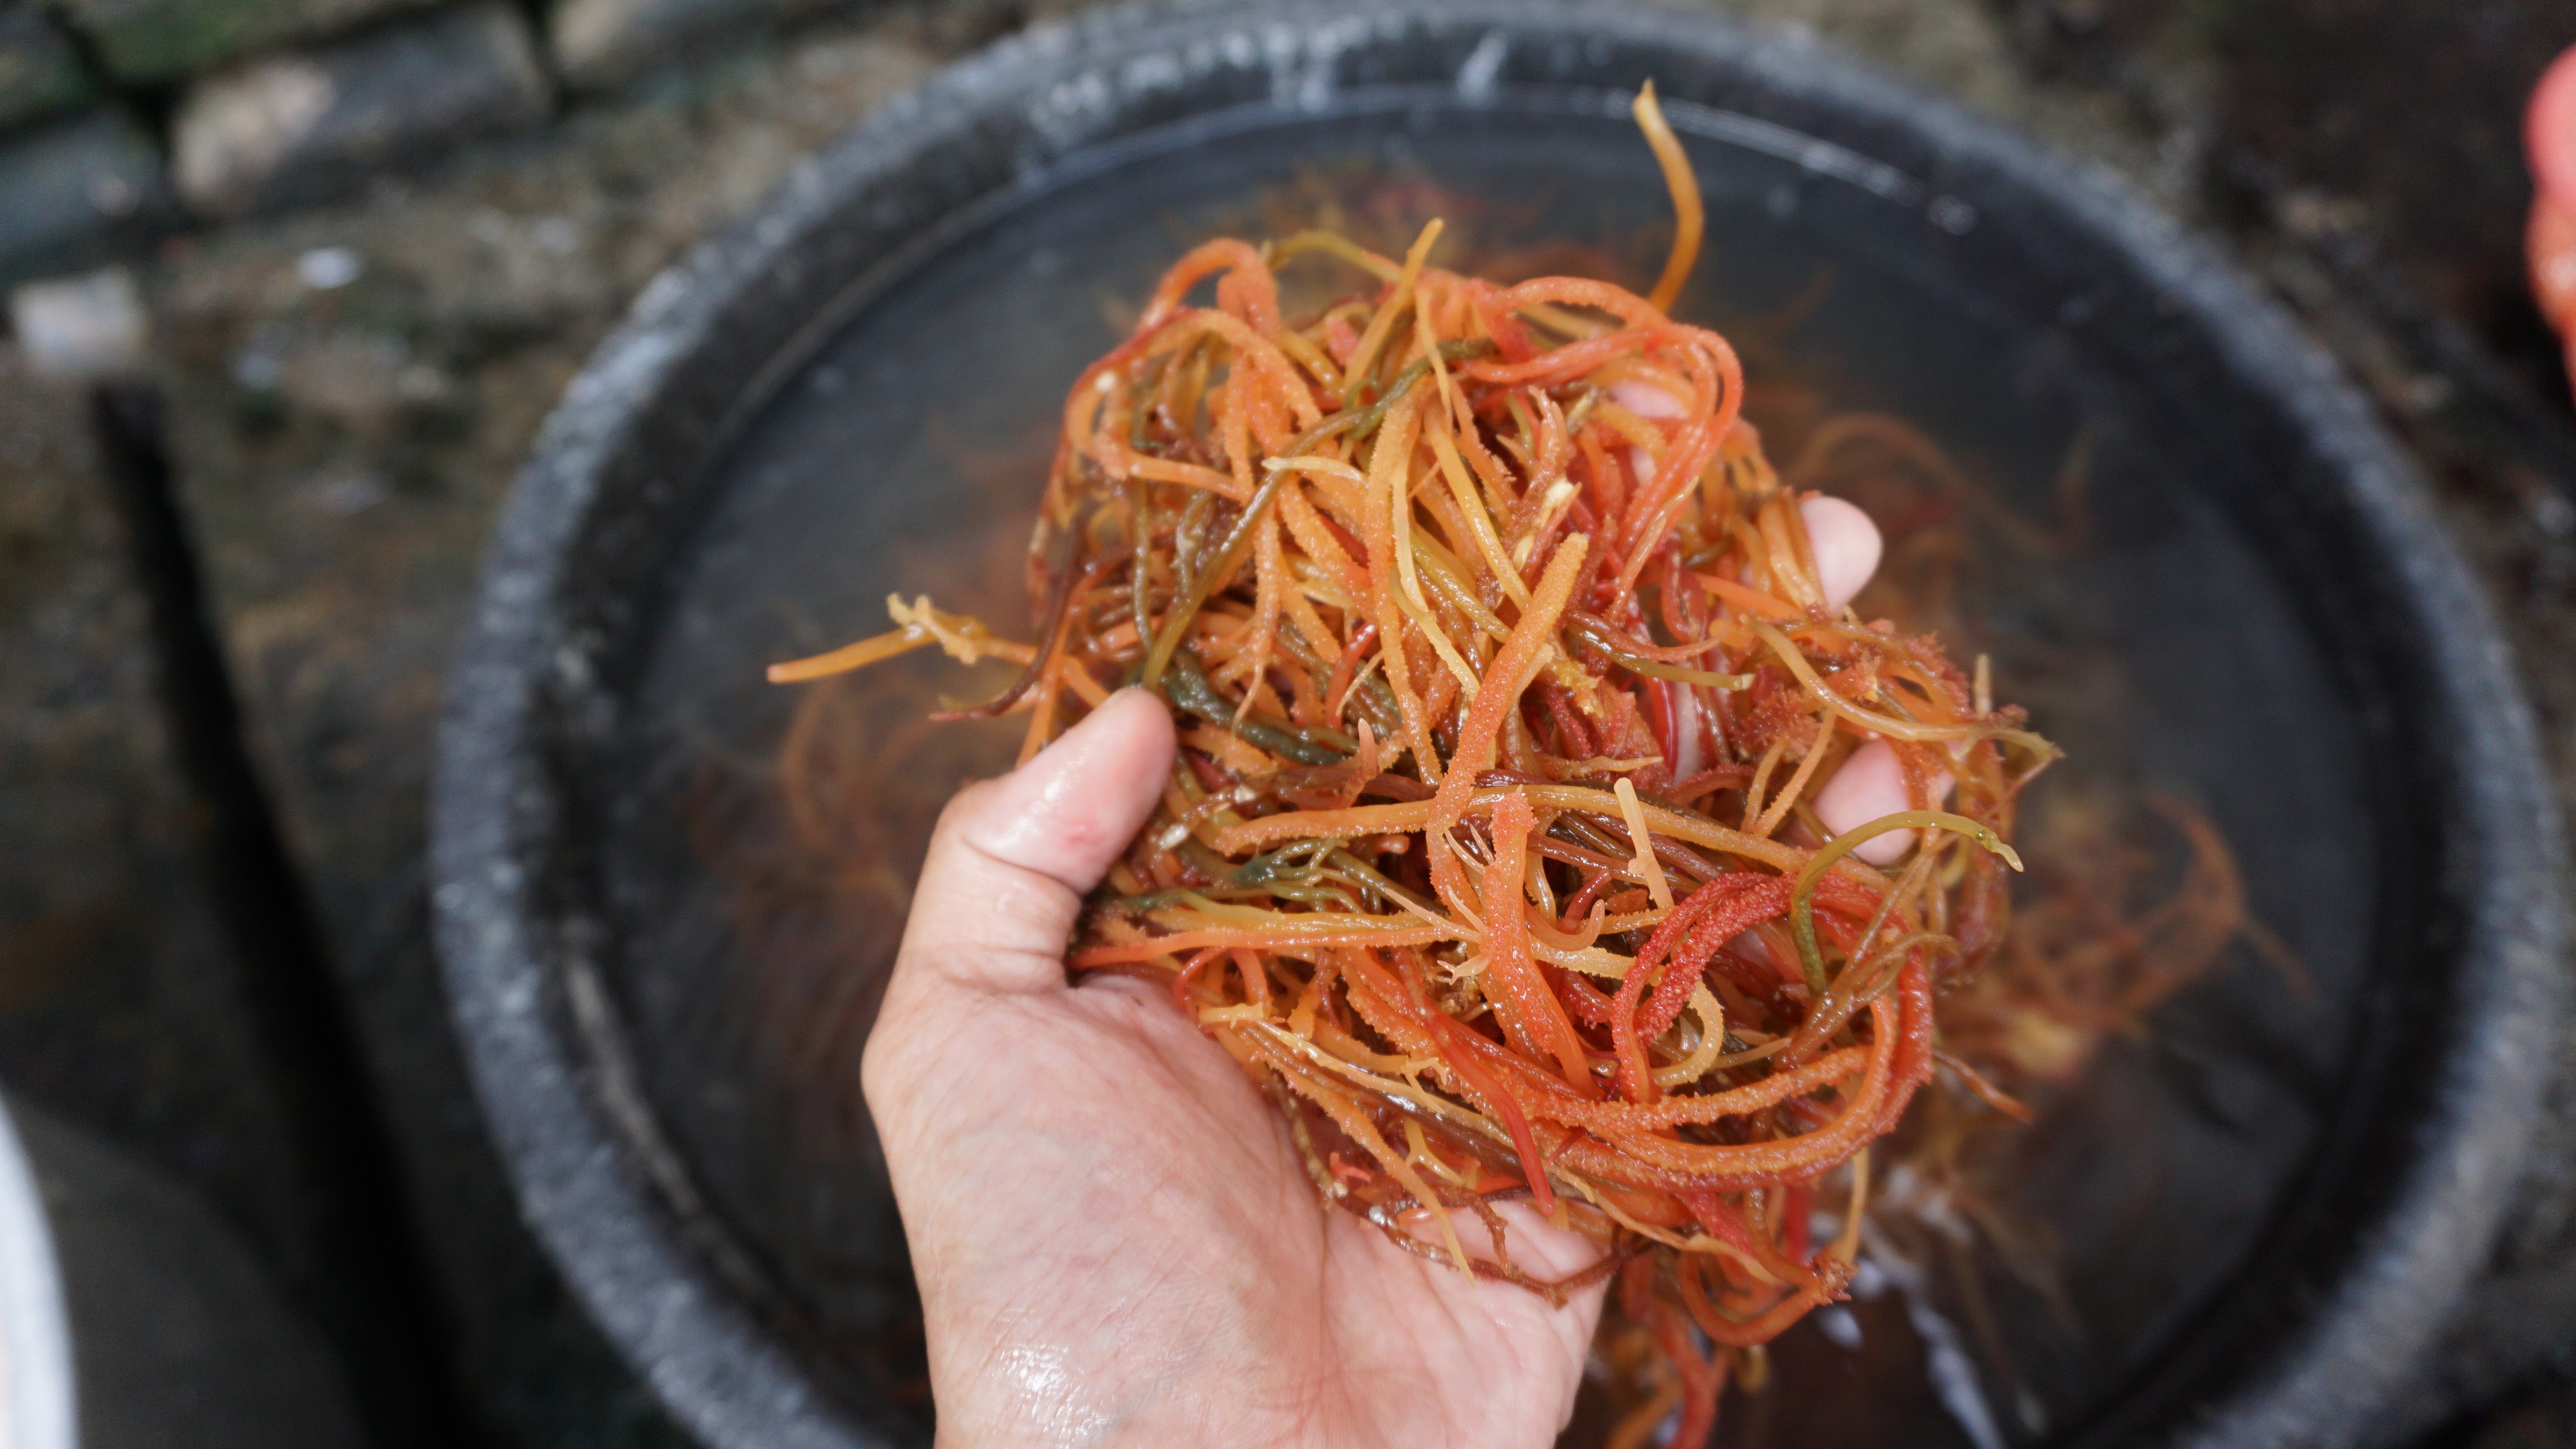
pixel 39 73
pixel 148 41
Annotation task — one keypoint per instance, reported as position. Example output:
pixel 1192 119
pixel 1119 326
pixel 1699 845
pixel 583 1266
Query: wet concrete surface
pixel 353 387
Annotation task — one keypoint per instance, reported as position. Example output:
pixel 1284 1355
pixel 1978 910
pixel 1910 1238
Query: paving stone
pixel 302 124
pixel 601 42
pixel 153 41
pixel 75 191
pixel 81 329
pixel 39 71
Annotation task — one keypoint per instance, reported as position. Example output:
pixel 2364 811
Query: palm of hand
pixel 1114 1238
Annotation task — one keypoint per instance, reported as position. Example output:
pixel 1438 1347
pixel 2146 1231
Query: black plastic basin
pixel 667 899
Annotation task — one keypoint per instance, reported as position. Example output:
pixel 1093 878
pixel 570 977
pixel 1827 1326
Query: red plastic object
pixel 2549 141
pixel 2549 130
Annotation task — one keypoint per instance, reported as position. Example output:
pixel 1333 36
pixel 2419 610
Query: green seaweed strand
pixel 1802 915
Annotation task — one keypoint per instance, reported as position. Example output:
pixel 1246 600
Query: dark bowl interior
pixel 2157 557
pixel 905 453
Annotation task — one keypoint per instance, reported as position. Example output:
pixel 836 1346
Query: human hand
pixel 1115 1240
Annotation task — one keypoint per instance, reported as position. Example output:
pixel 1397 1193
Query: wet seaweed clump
pixel 1510 689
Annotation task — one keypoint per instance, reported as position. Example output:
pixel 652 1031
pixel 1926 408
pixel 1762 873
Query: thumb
pixel 1012 857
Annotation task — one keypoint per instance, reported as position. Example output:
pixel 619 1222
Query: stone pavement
pixel 360 319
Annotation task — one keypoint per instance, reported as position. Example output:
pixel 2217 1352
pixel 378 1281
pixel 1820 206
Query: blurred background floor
pixel 362 309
